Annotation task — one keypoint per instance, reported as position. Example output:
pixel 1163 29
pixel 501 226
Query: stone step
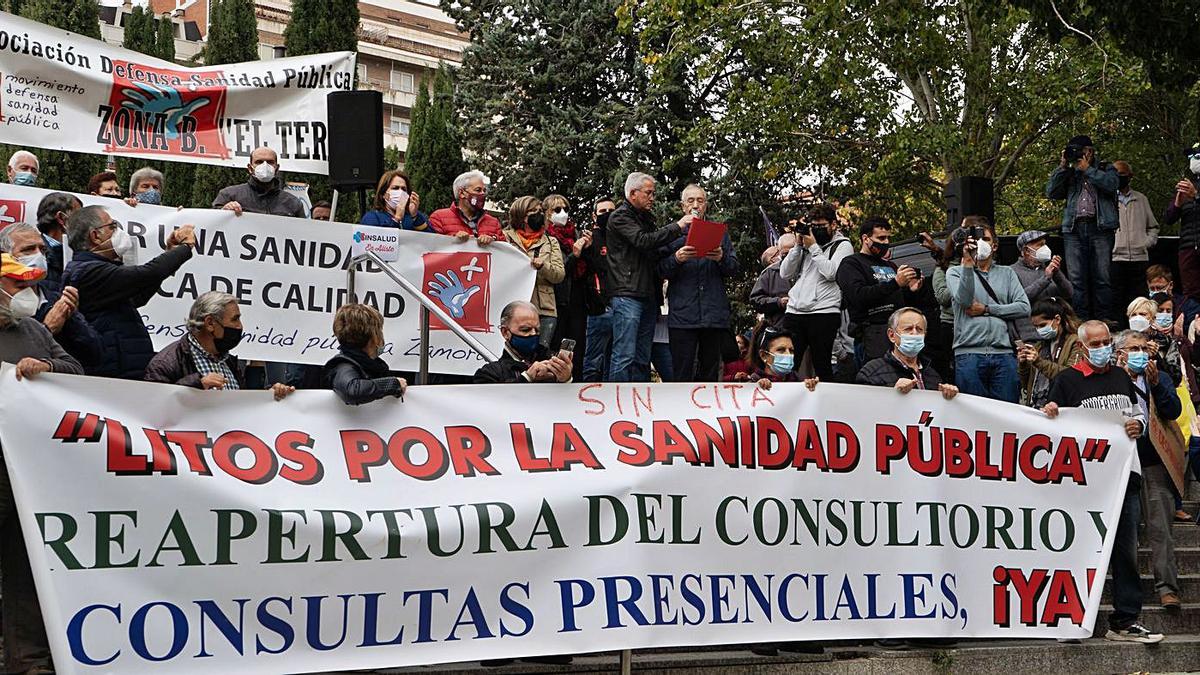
pixel 1177 653
pixel 1185 621
pixel 1187 560
pixel 1184 534
pixel 1189 589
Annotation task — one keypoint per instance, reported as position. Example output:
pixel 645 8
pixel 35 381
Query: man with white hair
pixel 23 168
pixel 203 358
pixel 145 187
pixel 633 280
pixel 466 217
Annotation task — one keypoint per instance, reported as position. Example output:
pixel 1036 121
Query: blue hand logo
pixel 153 99
pixel 358 237
pixel 449 290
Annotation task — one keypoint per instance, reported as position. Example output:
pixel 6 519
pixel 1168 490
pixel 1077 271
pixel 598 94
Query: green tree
pixel 232 38
pixel 165 39
pixel 434 156
pixel 553 98
pixel 134 34
pixel 64 170
pixel 317 27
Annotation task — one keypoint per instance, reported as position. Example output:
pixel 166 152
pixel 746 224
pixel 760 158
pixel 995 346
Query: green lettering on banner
pixel 433 533
pixel 508 516
pixel 1068 530
pixel 225 535
pixel 105 538
pixel 178 530
pixel 546 516
pixel 330 536
pixel 722 526
pixel 677 522
pixel 276 536
pixel 894 527
pixel 59 545
pixel 620 520
pixel 393 530
pixel 646 515
pixel 995 529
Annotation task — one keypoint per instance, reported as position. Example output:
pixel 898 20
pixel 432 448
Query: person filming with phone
pixel 1089 224
pixel 525 359
pixel 814 304
pixel 987 300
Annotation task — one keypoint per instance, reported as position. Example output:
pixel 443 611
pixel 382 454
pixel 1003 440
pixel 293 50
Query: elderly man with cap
pixel 1039 270
pixel 1089 224
pixel 24 341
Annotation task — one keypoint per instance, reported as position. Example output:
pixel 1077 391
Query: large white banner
pixel 63 91
pixel 289 274
pixel 177 530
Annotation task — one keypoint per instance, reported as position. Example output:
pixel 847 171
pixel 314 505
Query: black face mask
pixel 1123 182
pixel 878 248
pixel 229 340
pixel 602 219
pixel 534 222
pixel 822 235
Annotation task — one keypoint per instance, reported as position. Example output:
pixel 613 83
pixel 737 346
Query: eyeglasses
pixel 768 333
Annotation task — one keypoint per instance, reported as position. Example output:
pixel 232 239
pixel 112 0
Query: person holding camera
pixel 987 299
pixel 814 305
pixel 1089 224
pixel 873 287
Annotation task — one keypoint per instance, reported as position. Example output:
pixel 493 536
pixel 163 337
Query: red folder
pixel 705 235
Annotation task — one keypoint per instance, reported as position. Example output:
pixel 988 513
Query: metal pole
pixel 626 661
pixel 333 206
pixel 423 374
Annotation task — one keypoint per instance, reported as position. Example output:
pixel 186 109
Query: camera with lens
pixel 1073 153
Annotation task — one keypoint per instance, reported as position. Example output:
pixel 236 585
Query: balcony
pixel 391 96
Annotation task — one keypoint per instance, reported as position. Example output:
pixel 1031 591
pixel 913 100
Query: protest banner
pixel 289 274
pixel 207 531
pixel 64 91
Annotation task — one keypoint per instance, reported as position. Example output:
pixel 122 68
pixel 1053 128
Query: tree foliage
pixel 434 156
pixel 165 39
pixel 232 38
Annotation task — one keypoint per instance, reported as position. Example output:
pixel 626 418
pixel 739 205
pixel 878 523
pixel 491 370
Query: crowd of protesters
pixel 621 296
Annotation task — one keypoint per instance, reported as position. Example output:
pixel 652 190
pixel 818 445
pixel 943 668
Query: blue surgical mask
pixel 525 345
pixel 1137 361
pixel 51 242
pixel 1100 356
pixel 36 261
pixel 26 178
pixel 150 196
pixel 783 363
pixel 1047 332
pixel 1164 319
pixel 911 345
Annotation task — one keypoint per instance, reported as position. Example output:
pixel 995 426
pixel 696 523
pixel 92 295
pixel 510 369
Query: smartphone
pixel 566 348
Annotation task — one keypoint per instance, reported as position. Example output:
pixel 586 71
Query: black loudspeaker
pixel 355 123
pixel 969 196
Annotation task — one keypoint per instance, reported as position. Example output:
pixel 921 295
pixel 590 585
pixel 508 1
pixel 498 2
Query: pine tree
pixel 434 157
pixel 165 39
pixel 317 27
pixel 59 170
pixel 232 38
pixel 134 23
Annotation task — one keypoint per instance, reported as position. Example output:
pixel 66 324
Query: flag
pixel 769 228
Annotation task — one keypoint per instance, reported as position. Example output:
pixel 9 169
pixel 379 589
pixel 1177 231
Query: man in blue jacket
pixel 111 290
pixel 697 299
pixel 1089 224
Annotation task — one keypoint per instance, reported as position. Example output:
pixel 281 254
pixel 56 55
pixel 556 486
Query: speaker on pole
pixel 355 123
pixel 969 196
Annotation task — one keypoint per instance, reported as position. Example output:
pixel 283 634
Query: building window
pixel 400 127
pixel 402 81
pixel 362 72
pixel 279 52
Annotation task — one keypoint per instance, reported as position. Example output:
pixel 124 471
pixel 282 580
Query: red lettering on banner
pixel 296 447
pixel 634 451
pixel 1055 591
pixel 468 447
pixel 522 441
pixel 569 448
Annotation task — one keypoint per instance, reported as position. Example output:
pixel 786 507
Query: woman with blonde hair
pixel 526 230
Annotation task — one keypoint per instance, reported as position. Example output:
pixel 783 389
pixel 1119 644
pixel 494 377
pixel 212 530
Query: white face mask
pixel 1043 254
pixel 264 173
pixel 983 250
pixel 1138 323
pixel 560 217
pixel 22 305
pixel 1194 165
pixel 36 261
pixel 123 245
pixel 397 199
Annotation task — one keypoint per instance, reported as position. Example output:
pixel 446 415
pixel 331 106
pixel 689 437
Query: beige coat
pixel 552 271
pixel 1138 232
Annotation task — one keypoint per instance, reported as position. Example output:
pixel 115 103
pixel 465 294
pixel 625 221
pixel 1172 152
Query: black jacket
pixel 54 265
pixel 77 335
pixel 887 370
pixel 594 280
pixel 175 364
pixel 696 290
pixel 633 243
pixel 509 368
pixel 870 293
pixel 354 385
pixel 109 297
